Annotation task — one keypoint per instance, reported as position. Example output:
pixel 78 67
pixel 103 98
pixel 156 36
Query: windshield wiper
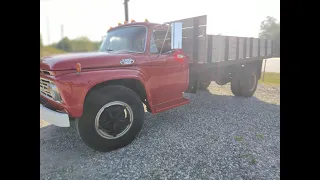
pixel 128 51
pixel 109 50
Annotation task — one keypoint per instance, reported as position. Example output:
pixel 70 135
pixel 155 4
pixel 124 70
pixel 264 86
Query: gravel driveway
pixel 216 136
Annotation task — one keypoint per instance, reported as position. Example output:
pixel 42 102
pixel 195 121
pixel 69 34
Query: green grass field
pixel 270 78
pixel 48 51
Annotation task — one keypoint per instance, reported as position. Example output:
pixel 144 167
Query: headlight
pixel 54 92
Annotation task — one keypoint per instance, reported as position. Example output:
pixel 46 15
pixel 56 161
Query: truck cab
pixel 104 92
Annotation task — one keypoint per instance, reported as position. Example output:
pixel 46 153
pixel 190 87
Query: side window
pixel 157 39
pixel 153 47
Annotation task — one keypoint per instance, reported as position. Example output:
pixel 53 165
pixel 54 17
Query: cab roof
pixel 147 24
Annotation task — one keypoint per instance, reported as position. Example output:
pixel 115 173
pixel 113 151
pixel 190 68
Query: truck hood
pixel 87 60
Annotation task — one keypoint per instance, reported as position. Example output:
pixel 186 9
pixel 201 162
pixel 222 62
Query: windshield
pixel 131 39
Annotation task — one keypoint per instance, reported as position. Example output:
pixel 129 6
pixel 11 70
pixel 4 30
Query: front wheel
pixel 113 116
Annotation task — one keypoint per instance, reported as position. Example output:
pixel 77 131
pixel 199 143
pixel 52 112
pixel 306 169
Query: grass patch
pixel 245 156
pixel 270 78
pixel 250 157
pixel 238 138
pixel 253 160
pixel 260 136
pixel 48 51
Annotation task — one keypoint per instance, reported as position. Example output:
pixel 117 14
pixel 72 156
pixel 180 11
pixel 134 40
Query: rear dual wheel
pixel 244 82
pixel 113 116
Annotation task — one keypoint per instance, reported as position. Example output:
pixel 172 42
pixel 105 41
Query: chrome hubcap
pixel 114 120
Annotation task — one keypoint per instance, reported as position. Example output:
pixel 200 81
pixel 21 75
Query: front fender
pixel 74 87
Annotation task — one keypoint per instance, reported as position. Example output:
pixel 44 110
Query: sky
pixel 92 18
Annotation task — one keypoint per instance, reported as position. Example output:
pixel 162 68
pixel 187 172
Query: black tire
pixel 235 85
pixel 204 85
pixel 235 81
pixel 244 82
pixel 94 102
pixel 249 82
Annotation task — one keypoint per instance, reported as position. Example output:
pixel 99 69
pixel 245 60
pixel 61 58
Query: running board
pixel 171 104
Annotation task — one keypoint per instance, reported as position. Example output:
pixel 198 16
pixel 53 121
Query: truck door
pixel 170 69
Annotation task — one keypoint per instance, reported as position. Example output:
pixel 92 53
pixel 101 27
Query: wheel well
pixel 257 65
pixel 133 84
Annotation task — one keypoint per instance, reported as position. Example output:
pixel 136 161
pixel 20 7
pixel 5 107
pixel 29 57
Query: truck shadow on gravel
pixel 221 133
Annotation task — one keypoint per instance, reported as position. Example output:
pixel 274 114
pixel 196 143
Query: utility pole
pixel 48 28
pixel 62 35
pixel 126 10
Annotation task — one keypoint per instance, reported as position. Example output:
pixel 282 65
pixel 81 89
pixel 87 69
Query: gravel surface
pixel 216 136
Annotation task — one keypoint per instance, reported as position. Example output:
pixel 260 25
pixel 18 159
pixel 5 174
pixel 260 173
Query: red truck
pixel 143 63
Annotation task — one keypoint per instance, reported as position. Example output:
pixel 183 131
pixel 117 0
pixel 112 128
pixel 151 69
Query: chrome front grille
pixel 44 87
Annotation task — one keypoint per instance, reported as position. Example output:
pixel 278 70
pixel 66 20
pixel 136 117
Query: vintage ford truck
pixel 143 64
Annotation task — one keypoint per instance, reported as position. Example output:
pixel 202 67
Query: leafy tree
pixel 83 44
pixel 64 44
pixel 269 28
pixel 80 44
pixel 97 44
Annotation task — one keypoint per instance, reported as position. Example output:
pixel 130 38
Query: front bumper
pixel 53 117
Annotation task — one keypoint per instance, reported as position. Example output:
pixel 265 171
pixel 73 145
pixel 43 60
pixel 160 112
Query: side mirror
pixel 176 35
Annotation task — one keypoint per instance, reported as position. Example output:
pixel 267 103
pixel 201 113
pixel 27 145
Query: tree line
pixel 81 44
